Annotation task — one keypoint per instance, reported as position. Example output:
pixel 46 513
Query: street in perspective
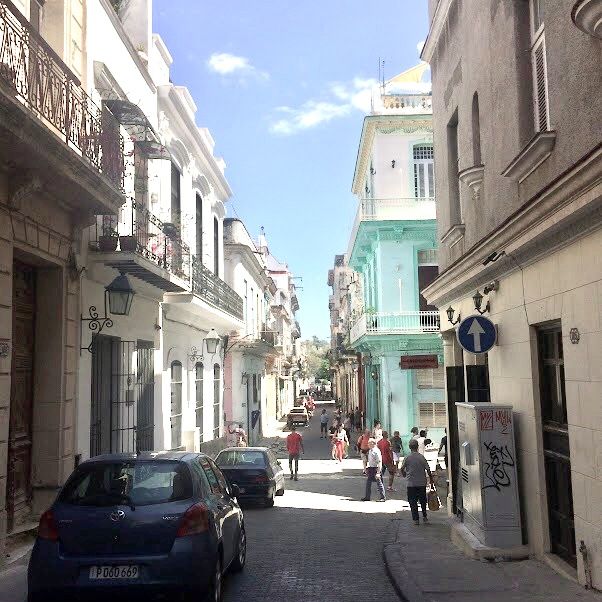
pixel 300 301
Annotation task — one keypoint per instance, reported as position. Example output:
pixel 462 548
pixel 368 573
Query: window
pixel 431 378
pixel 215 246
pixel 432 414
pixel 216 400
pixel 251 325
pixel 214 484
pixel 175 195
pixel 241 457
pixel 476 131
pixel 455 208
pixel 539 68
pixel 255 392
pixel 424 184
pixel 245 305
pixel 198 382
pixel 35 14
pixel 199 227
pixel 176 405
pixel 145 483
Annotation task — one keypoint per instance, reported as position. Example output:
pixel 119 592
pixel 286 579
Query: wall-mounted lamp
pixel 374 375
pixel 372 170
pixel 450 311
pixel 494 285
pixel 393 163
pixel 211 341
pixel 478 301
pixel 119 296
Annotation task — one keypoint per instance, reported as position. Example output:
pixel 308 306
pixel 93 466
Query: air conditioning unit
pixel 488 474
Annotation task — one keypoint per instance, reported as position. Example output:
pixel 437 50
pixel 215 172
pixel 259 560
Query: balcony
pixel 139 243
pixel 213 290
pixel 398 209
pixel 395 323
pixel 49 124
pixel 408 104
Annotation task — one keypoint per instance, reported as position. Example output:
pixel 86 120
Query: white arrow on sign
pixel 476 330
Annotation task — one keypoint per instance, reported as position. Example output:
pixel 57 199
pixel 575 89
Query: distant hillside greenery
pixel 316 361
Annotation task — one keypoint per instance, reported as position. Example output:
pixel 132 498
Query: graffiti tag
pixel 496 470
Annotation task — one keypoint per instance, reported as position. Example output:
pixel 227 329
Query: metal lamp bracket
pixel 96 324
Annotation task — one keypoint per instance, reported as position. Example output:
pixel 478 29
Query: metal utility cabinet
pixel 488 473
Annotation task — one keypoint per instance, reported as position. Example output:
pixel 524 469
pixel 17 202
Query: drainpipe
pixel 586 565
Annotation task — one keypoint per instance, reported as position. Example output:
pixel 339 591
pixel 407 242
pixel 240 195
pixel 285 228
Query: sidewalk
pixel 424 565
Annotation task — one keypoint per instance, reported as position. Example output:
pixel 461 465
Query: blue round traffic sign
pixel 476 334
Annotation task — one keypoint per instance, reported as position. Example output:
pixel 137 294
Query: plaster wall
pixel 395 182
pixel 138 326
pixel 484 48
pixel 565 285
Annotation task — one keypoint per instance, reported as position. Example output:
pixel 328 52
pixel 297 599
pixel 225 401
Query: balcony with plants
pixel 49 124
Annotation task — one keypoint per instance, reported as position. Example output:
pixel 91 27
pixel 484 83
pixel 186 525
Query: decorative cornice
pixel 536 151
pixel 567 209
pixel 437 25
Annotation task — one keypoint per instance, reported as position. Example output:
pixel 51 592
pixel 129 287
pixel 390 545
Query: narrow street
pixel 319 540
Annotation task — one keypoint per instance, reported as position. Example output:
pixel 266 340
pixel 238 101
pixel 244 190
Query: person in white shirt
pixel 377 433
pixel 374 472
pixel 422 442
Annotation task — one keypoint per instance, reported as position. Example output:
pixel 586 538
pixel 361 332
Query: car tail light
pixel 47 528
pixel 261 478
pixel 194 521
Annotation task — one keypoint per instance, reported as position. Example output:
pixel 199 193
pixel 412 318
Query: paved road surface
pixel 319 543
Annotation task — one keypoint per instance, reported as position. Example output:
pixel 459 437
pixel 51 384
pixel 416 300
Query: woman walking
pixel 340 439
pixel 387 456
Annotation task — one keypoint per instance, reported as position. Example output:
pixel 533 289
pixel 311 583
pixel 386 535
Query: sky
pixel 283 87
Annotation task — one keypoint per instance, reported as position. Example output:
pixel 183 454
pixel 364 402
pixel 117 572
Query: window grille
pixel 176 405
pixel 432 414
pixel 216 400
pixel 198 381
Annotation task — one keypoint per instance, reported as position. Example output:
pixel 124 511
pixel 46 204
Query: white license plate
pixel 122 571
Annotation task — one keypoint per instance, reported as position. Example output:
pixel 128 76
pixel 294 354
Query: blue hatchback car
pixel 164 522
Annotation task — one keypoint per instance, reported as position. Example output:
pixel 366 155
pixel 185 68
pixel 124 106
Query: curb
pixel 398 576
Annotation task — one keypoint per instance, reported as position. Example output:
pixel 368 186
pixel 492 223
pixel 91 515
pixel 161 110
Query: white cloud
pixel 341 100
pixel 309 115
pixel 227 64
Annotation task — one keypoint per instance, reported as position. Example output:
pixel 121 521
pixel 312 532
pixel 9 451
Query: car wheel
pixel 215 593
pixel 270 501
pixel 280 492
pixel 238 564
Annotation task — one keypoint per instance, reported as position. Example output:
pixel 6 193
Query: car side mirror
pixel 235 490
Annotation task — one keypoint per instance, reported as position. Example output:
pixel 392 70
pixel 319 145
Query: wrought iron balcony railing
pixel 214 290
pixel 401 322
pixel 36 76
pixel 138 231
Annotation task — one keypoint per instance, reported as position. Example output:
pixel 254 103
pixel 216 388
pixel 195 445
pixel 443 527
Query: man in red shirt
pixel 387 453
pixel 294 445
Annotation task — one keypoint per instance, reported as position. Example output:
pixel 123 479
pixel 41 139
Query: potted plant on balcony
pixel 107 241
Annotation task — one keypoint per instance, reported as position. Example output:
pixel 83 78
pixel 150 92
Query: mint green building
pixel 393 249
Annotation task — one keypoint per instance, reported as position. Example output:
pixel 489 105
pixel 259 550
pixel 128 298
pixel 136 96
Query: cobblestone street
pixel 319 542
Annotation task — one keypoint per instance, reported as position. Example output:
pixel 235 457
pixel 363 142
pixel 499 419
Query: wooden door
pixel 557 454
pixel 18 486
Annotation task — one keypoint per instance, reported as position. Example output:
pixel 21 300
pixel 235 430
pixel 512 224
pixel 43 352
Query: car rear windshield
pixel 298 410
pixel 131 483
pixel 236 457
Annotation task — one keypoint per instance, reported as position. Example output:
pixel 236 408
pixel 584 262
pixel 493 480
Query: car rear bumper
pixel 55 574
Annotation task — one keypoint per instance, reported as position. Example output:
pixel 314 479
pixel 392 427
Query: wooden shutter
pixel 540 85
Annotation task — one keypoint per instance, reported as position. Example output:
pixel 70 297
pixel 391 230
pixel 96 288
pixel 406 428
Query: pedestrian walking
pixel 374 472
pixel 384 445
pixel 348 426
pixel 422 442
pixel 397 447
pixel 340 439
pixel 415 468
pixel 414 432
pixel 363 447
pixel 323 425
pixel 377 431
pixel 294 445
